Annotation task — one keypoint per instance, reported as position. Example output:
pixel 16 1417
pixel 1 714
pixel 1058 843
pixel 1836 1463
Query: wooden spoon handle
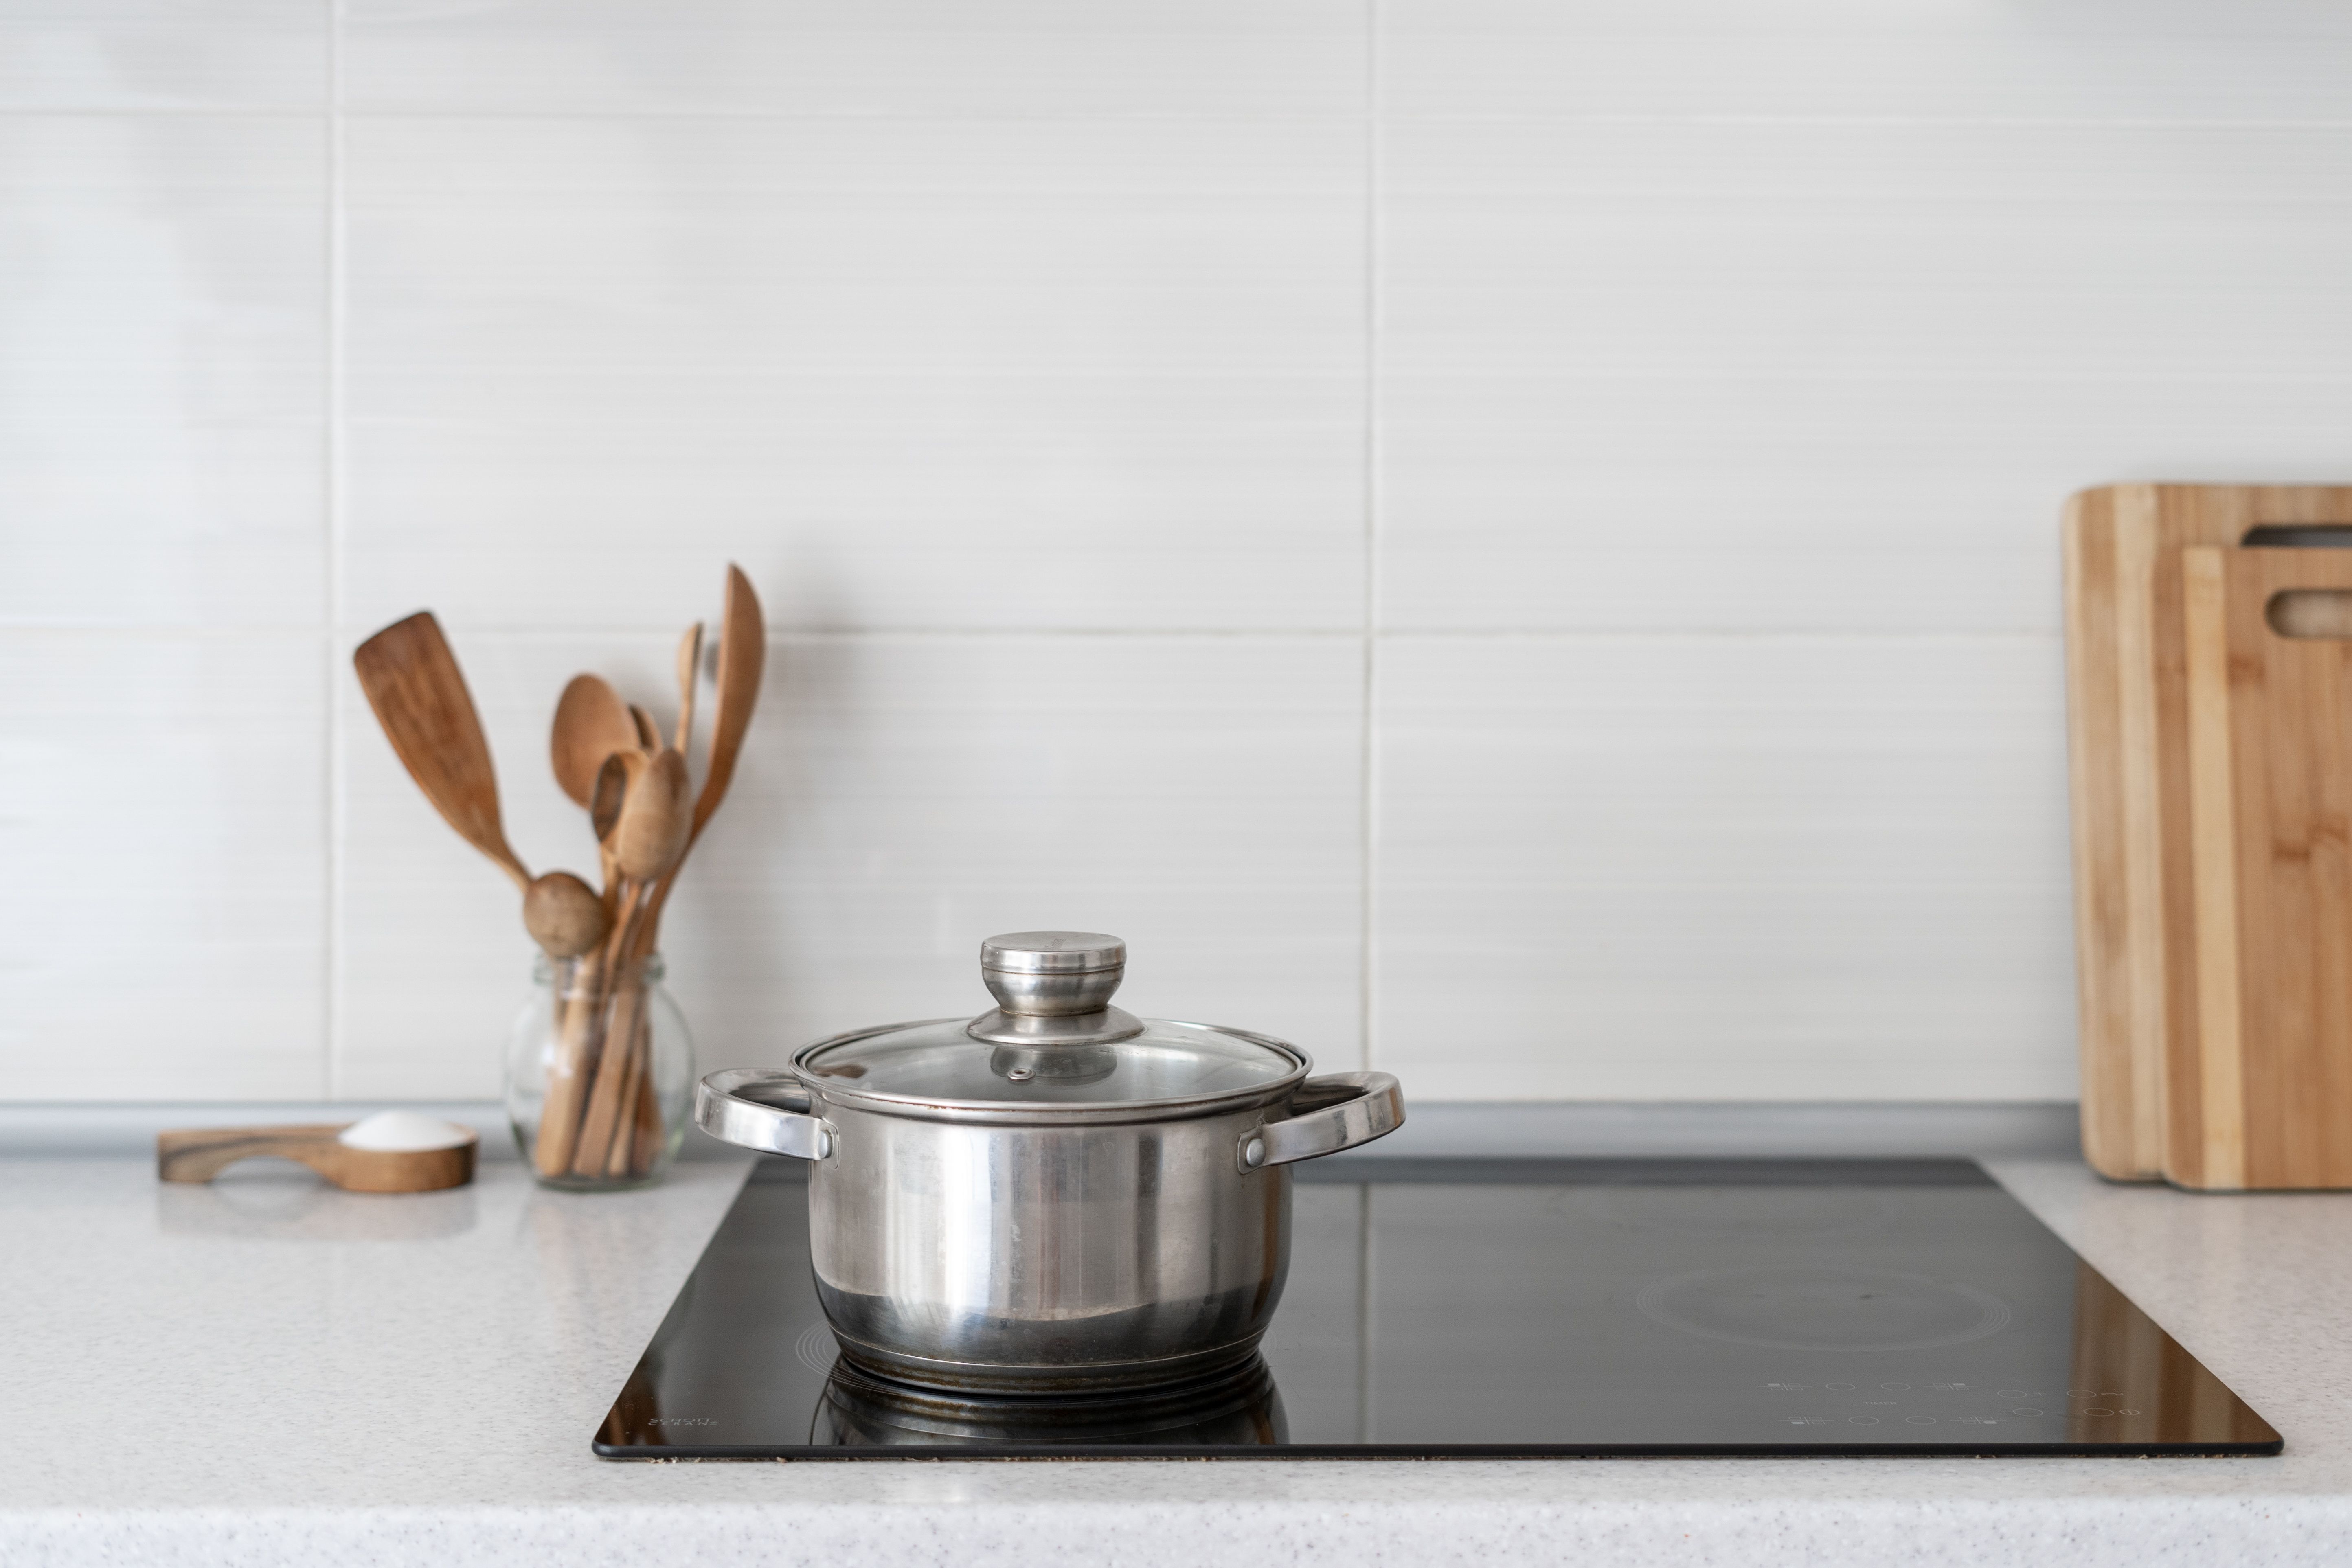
pixel 690 664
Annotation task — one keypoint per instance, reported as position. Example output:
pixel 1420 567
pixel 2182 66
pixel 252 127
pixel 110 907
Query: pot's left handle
pixel 769 1112
pixel 1341 1111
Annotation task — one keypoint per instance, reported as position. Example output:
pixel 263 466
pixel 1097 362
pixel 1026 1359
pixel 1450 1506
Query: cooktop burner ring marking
pixel 816 1349
pixel 1706 1302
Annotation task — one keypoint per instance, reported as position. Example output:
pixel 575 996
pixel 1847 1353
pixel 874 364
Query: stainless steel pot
pixel 1056 1195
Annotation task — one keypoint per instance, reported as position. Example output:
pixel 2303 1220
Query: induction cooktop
pixel 1517 1309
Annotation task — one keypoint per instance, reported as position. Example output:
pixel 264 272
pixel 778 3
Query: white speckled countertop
pixel 269 1372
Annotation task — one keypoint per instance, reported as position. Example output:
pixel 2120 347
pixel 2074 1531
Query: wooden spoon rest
pixel 199 1155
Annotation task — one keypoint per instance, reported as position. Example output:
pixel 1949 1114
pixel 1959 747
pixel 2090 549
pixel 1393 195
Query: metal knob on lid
pixel 1054 988
pixel 1051 952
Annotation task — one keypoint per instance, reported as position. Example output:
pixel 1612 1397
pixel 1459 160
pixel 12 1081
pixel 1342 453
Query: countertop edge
pixel 1148 1532
pixel 1986 1128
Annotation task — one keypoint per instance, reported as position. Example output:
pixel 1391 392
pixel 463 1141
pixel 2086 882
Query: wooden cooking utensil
pixel 413 682
pixel 199 1155
pixel 603 813
pixel 611 789
pixel 742 659
pixel 689 666
pixel 2270 762
pixel 655 819
pixel 646 843
pixel 592 722
pixel 2127 705
pixel 601 1119
pixel 564 915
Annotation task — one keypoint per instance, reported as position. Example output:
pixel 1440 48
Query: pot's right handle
pixel 721 1109
pixel 1345 1108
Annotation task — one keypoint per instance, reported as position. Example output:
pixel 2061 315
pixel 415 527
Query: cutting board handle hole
pixel 2310 613
pixel 2299 536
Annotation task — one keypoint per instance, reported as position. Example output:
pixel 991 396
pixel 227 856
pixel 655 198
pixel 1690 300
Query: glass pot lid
pixel 1052 1039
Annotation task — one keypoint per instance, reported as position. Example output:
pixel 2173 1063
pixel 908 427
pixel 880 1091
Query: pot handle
pixel 778 1120
pixel 1342 1109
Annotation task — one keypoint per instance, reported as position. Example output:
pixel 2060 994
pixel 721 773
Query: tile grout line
pixel 332 993
pixel 1369 805
pixel 658 635
pixel 1544 118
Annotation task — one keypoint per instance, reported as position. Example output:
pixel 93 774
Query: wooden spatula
pixel 413 682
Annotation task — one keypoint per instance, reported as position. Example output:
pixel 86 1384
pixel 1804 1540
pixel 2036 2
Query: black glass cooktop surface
pixel 1486 1309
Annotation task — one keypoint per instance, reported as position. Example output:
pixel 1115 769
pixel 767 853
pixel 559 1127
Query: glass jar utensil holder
pixel 599 1073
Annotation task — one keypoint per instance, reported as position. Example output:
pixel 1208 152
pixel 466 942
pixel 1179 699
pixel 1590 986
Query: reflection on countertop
pixel 289 1203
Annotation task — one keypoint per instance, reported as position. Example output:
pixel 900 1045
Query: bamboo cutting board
pixel 2269 1100
pixel 2135 906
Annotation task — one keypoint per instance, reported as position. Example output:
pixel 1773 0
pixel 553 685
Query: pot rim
pixel 1029 1113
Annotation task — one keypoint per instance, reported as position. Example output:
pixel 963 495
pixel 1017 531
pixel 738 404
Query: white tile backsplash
pixel 163 817
pixel 1926 251
pixel 1023 58
pixel 2141 61
pixel 912 373
pixel 162 366
pixel 1515 541
pixel 176 55
pixel 1692 374
pixel 1570 503
pixel 1673 868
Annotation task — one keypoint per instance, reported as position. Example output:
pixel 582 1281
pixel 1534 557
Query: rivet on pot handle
pixel 721 1109
pixel 1346 1108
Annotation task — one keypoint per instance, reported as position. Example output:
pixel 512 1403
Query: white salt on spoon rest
pixel 404 1133
pixel 391 1151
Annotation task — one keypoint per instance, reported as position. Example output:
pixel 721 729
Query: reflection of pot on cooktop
pixel 1235 1409
pixel 1823 1307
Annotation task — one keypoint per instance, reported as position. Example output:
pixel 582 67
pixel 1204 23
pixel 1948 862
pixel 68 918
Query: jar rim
pixel 648 969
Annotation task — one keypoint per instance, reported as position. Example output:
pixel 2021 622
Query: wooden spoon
pixel 413 682
pixel 648 733
pixel 651 832
pixel 611 789
pixel 568 1079
pixel 564 915
pixel 604 813
pixel 592 722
